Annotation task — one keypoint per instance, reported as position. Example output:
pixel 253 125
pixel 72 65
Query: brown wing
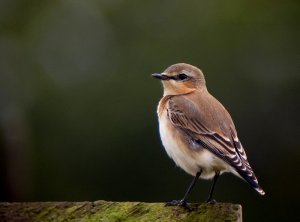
pixel 210 126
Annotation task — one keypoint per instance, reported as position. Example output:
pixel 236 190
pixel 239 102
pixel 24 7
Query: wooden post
pixel 117 211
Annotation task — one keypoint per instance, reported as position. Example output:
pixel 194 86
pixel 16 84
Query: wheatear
pixel 197 131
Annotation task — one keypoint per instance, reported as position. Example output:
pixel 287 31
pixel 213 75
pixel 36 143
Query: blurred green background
pixel 78 106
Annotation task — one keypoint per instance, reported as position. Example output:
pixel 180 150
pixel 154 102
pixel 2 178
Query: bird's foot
pixel 181 203
pixel 211 201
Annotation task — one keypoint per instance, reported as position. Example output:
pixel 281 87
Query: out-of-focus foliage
pixel 78 105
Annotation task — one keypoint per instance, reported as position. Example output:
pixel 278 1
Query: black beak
pixel 160 76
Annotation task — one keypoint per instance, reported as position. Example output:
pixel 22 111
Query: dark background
pixel 78 106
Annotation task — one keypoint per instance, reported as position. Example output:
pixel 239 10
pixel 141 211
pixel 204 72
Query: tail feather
pixel 260 190
pixel 251 179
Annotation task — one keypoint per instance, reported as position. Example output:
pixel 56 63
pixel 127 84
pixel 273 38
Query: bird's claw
pixel 181 203
pixel 211 201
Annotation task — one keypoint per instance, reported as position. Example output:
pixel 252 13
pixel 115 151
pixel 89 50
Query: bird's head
pixel 181 78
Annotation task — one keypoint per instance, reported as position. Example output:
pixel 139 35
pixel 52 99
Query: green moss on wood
pixel 117 211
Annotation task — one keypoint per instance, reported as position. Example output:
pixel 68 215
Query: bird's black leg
pixel 210 199
pixel 182 202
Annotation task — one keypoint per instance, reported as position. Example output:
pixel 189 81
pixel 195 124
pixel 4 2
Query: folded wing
pixel 213 131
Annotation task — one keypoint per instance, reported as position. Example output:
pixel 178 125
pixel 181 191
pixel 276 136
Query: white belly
pixel 189 160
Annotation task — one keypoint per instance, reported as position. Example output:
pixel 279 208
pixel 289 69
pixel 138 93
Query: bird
pixel 197 131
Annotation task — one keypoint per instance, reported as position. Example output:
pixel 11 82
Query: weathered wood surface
pixel 117 211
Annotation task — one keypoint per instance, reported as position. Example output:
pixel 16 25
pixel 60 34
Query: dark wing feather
pixel 210 126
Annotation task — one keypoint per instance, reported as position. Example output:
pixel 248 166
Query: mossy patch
pixel 117 211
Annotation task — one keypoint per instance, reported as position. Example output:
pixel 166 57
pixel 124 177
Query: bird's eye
pixel 182 76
